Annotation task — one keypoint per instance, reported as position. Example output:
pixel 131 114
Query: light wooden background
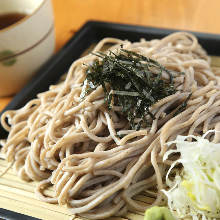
pixel 196 15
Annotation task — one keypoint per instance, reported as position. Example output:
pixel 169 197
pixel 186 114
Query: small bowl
pixel 26 44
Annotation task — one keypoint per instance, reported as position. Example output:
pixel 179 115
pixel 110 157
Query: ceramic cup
pixel 26 44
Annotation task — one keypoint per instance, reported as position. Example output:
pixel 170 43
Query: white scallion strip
pixel 195 191
pixel 116 92
pixel 83 92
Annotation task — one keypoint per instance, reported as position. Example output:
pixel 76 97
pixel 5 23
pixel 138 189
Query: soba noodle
pixel 75 145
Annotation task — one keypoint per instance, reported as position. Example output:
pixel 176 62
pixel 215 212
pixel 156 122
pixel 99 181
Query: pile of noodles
pixel 74 145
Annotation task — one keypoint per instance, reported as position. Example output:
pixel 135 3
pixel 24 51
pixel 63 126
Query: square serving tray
pixel 90 33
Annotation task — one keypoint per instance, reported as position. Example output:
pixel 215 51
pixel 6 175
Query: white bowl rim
pixel 25 18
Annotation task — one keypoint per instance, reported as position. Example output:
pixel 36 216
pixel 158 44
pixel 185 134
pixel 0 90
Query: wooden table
pixel 196 15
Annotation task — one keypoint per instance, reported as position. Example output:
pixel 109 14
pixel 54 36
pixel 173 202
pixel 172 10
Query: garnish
pixel 134 81
pixel 158 213
pixel 195 189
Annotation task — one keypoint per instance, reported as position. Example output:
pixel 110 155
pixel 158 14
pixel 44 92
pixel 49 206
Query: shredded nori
pixel 136 80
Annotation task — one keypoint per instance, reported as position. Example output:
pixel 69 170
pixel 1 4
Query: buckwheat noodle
pixel 74 145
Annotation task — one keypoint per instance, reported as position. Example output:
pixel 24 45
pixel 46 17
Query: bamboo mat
pixel 18 196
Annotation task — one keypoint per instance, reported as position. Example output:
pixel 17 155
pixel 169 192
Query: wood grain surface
pixel 196 15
